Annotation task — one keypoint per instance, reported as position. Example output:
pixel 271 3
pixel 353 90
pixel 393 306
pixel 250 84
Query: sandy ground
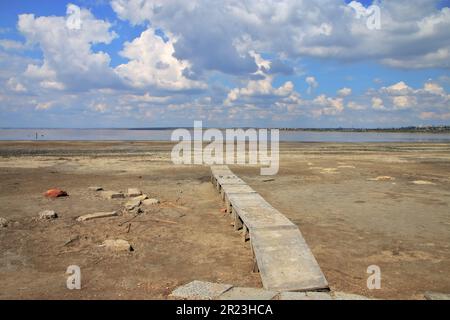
pixel 349 220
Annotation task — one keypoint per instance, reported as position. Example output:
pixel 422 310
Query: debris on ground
pixel 150 202
pixel 72 240
pixel 97 215
pixel 382 178
pixel 437 296
pixel 3 222
pixel 47 215
pixel 112 195
pixel 132 204
pixel 141 197
pixel 95 188
pixel 136 211
pixel 200 290
pixel 134 192
pixel 117 245
pixel 423 182
pixel 55 193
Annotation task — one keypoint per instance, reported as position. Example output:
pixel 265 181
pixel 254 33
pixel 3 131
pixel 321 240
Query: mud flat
pixel 349 218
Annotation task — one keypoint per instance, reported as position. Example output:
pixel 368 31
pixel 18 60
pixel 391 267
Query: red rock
pixel 55 193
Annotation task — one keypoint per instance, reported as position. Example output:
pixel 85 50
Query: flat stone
pixel 47 215
pixel 349 296
pixel 318 296
pixel 117 245
pixel 423 182
pixel 292 296
pixel 3 222
pixel 285 261
pixel 97 215
pixel 200 290
pixel 141 197
pixel 133 203
pixel 238 293
pixel 134 192
pixel 150 202
pixel 112 195
pixel 436 296
pixel 95 188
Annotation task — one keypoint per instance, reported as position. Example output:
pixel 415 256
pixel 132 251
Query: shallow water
pixel 165 135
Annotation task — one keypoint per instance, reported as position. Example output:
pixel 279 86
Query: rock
pixel 423 182
pixel 292 296
pixel 117 245
pixel 55 193
pixel 47 215
pixel 95 189
pixel 141 198
pixel 134 192
pixel 200 290
pixel 136 211
pixel 436 296
pixel 318 296
pixel 349 296
pixel 150 202
pixel 3 222
pixel 112 195
pixel 382 178
pixel 133 203
pixel 97 215
pixel 237 293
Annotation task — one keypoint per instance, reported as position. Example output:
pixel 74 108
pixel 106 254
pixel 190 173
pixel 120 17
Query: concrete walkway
pixel 281 254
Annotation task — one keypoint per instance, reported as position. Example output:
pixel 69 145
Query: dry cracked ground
pixel 356 204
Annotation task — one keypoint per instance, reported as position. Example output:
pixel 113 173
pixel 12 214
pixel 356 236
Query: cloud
pixel 312 84
pixel 69 60
pixel 344 92
pixel 377 104
pixel 412 34
pixel 152 64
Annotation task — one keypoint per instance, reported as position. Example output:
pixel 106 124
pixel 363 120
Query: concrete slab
pixel 200 290
pixel 238 293
pixel 97 215
pixel 229 179
pixel 285 261
pixel 246 200
pixel 235 188
pixel 348 296
pixel 437 296
pixel 305 296
pixel 263 217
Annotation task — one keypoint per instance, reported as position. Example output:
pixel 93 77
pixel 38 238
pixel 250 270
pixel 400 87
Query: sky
pixel 228 63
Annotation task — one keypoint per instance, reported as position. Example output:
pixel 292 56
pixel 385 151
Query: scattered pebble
pixel 97 216
pixel 3 222
pixel 423 182
pixel 95 189
pixel 55 193
pixel 47 215
pixel 382 178
pixel 141 197
pixel 117 245
pixel 133 203
pixel 134 192
pixel 112 195
pixel 150 202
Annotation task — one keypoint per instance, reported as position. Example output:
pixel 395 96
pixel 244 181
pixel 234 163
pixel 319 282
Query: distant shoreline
pixel 412 129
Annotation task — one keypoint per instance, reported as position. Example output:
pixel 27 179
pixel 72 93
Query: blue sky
pixel 155 63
